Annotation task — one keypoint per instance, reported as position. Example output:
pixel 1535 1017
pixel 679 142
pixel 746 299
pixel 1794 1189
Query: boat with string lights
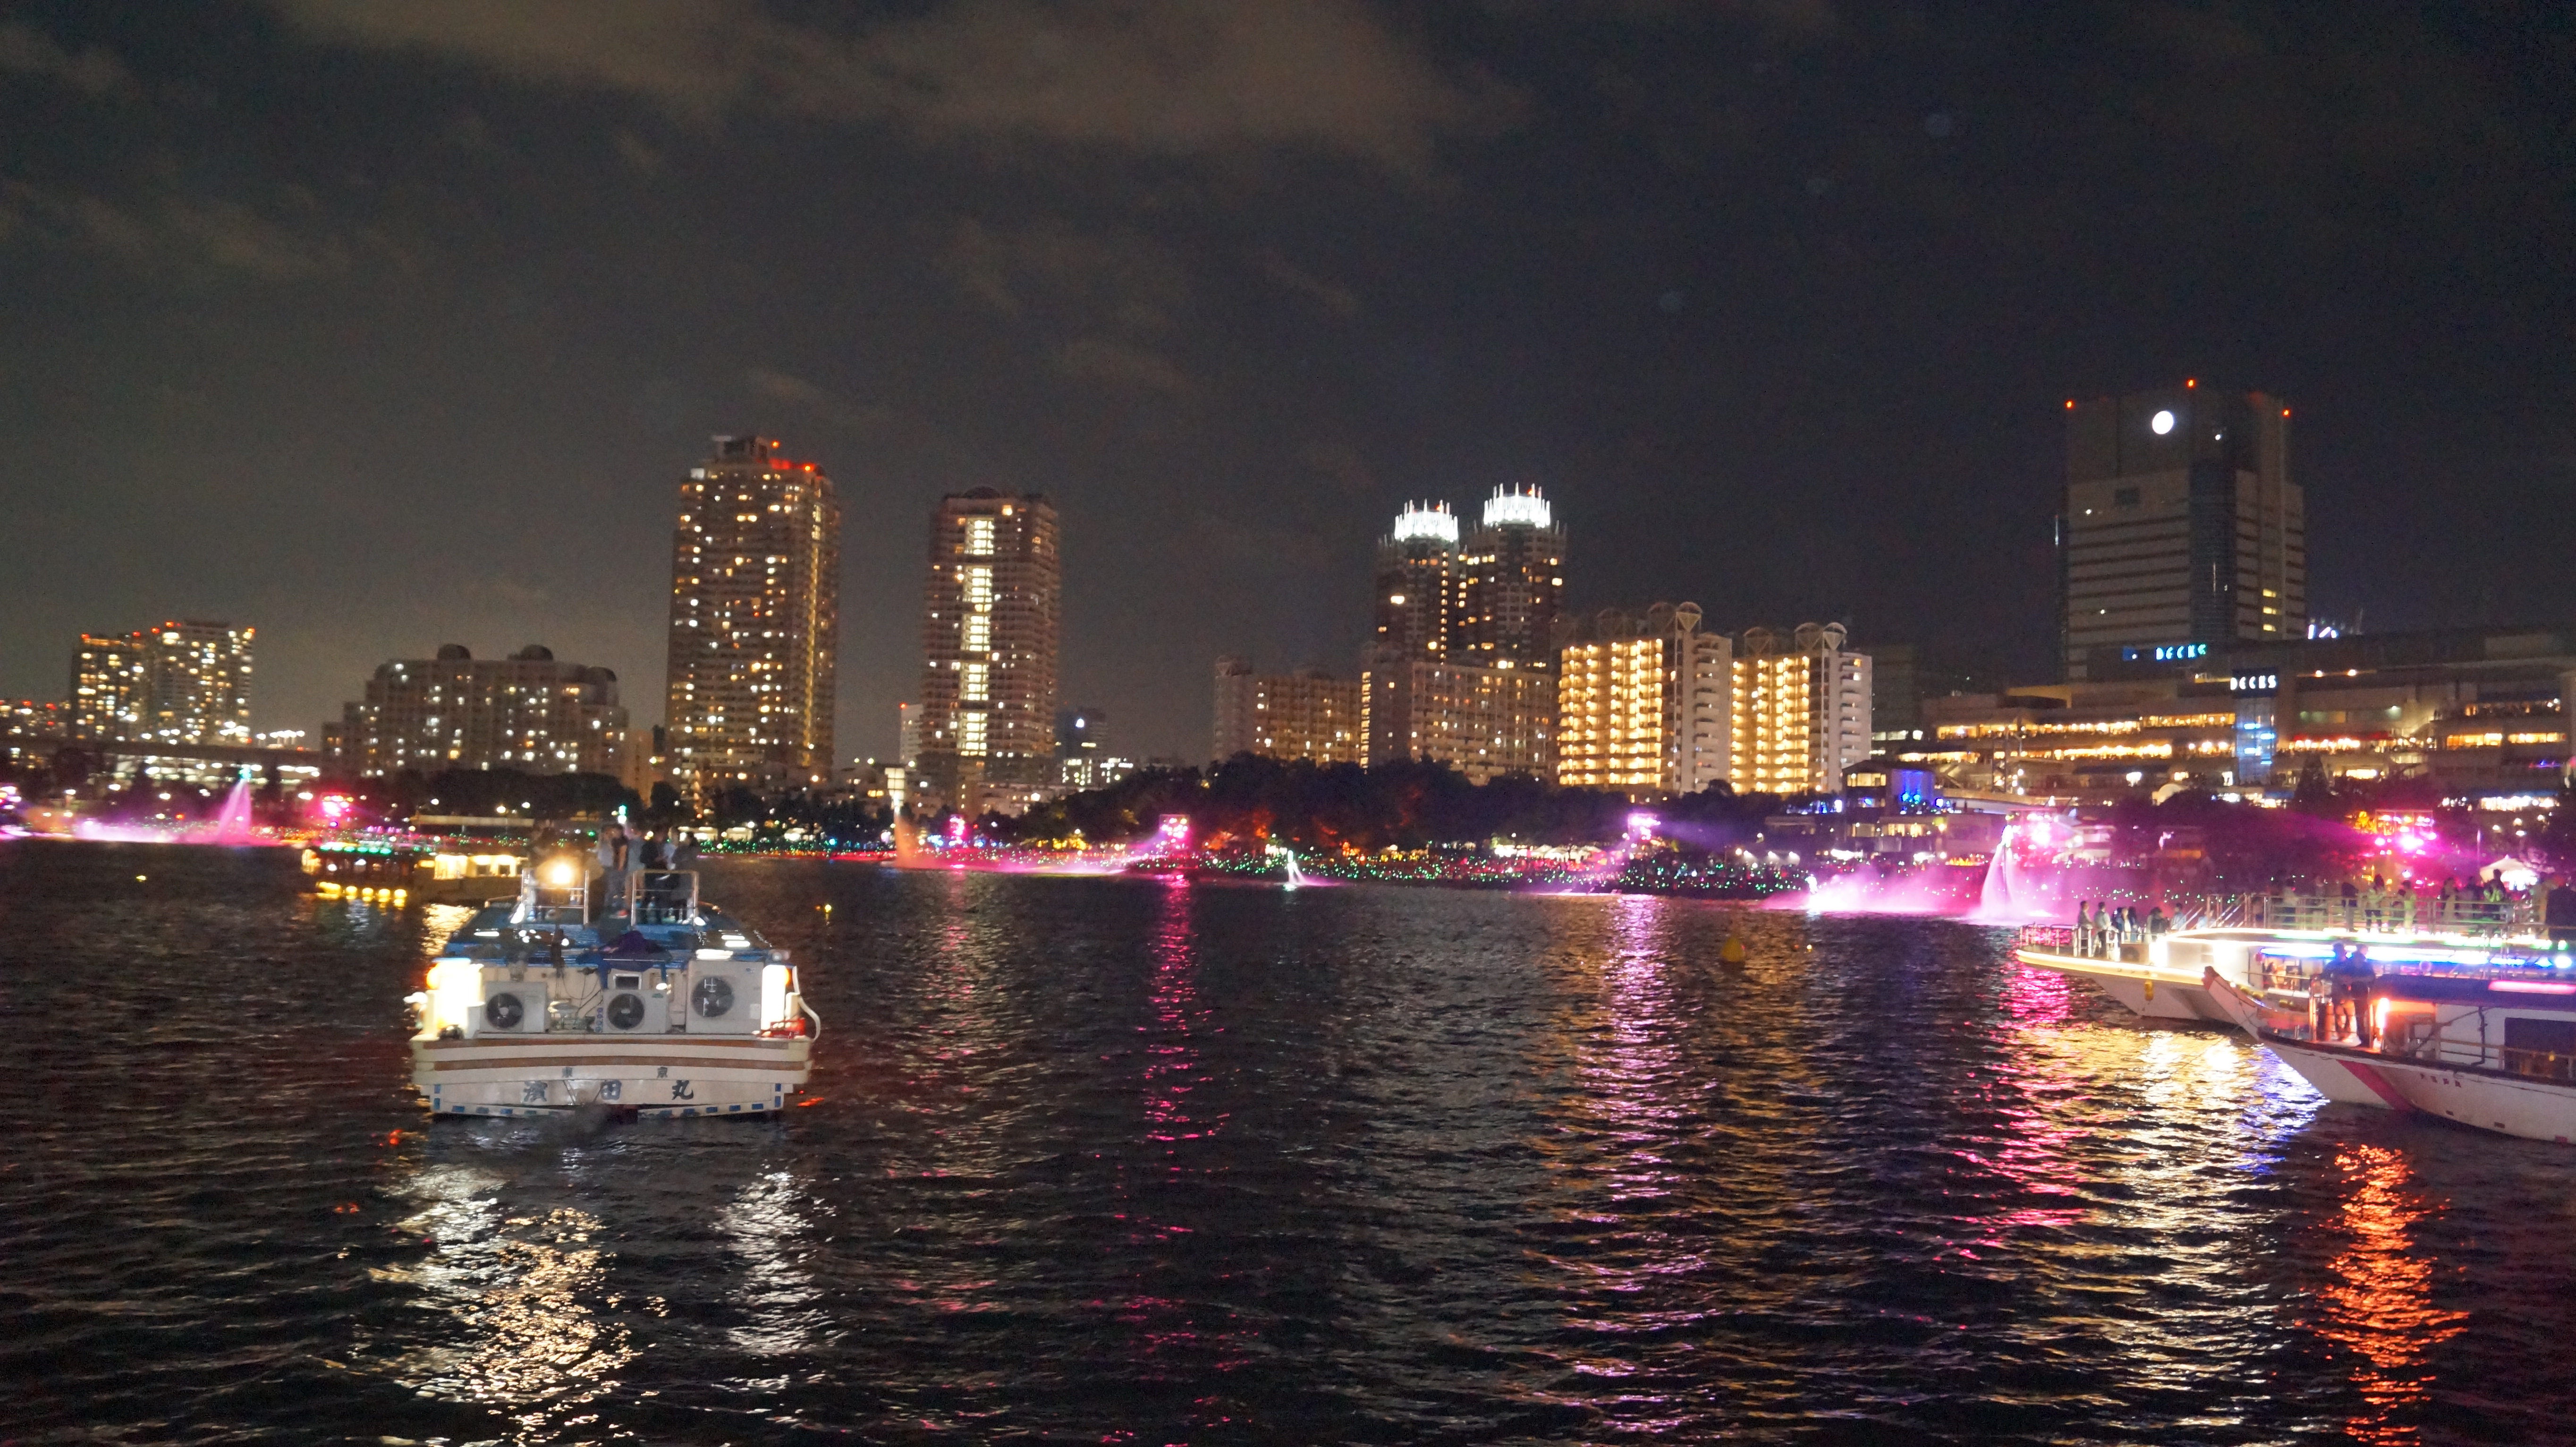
pixel 2163 975
pixel 657 1004
pixel 2475 1025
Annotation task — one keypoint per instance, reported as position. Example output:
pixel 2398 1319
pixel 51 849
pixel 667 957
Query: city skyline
pixel 1784 310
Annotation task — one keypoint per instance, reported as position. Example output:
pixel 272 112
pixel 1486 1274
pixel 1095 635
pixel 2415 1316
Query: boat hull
pixel 642 1075
pixel 2538 1110
pixel 2496 1100
pixel 2146 990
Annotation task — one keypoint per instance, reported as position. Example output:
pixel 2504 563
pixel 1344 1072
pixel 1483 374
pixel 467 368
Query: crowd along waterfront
pixel 1132 1158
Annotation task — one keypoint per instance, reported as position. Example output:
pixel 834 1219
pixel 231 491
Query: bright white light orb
pixel 2162 422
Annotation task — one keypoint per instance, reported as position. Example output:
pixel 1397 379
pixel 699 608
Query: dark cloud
pixel 1178 77
pixel 1332 296
pixel 28 52
pixel 169 232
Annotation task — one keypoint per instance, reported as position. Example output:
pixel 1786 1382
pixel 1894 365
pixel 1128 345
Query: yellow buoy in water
pixel 1731 954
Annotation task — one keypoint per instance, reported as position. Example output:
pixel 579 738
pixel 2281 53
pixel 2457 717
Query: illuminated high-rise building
pixel 2182 532
pixel 755 621
pixel 526 712
pixel 1308 714
pixel 1800 710
pixel 988 640
pixel 1417 580
pixel 1483 722
pixel 184 682
pixel 1643 703
pixel 1510 585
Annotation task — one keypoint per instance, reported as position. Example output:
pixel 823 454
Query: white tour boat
pixel 2158 978
pixel 662 1005
pixel 2487 1039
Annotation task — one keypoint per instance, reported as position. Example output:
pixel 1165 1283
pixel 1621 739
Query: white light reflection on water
pixel 2156 1140
pixel 528 1296
pixel 782 1307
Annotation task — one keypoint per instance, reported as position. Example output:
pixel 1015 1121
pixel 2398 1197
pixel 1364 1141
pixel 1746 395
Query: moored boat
pixel 415 870
pixel 661 1005
pixel 2159 979
pixel 2489 1043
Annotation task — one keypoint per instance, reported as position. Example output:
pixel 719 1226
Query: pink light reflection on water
pixel 1613 1150
pixel 2033 1147
pixel 1165 1328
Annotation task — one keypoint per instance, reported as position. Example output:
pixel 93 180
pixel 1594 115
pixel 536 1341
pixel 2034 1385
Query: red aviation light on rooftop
pixel 2191 381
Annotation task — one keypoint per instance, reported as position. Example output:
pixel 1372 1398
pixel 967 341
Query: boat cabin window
pixel 2545 1048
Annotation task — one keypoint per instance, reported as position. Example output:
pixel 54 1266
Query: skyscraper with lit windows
pixel 1800 710
pixel 1461 669
pixel 1511 585
pixel 1643 703
pixel 990 613
pixel 2183 532
pixel 755 621
pixel 1417 563
pixel 186 681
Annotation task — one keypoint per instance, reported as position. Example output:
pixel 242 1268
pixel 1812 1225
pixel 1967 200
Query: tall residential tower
pixel 988 643
pixel 1417 581
pixel 1511 584
pixel 2183 532
pixel 184 682
pixel 755 621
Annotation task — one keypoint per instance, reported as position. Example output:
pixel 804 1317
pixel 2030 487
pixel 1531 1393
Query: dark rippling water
pixel 1117 1161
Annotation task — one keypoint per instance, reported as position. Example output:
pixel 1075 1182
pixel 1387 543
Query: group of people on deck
pixel 2101 926
pixel 622 852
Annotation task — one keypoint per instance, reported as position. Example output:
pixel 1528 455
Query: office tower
pixel 1083 758
pixel 2182 530
pixel 184 682
pixel 755 621
pixel 1417 579
pixel 988 642
pixel 454 711
pixel 1511 579
pixel 1308 714
pixel 1643 703
pixel 1801 710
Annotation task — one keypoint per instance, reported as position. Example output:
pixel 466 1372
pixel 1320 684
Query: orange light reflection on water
pixel 2379 1304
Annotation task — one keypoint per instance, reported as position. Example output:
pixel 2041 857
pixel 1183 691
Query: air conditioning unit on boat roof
pixel 724 997
pixel 512 1007
pixel 633 1010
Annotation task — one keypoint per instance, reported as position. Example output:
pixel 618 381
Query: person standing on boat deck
pixel 2083 928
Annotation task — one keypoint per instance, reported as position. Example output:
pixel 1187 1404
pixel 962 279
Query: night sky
pixel 381 326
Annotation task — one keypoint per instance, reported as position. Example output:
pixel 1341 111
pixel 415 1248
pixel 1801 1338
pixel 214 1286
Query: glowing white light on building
pixel 2162 423
pixel 1516 507
pixel 1433 520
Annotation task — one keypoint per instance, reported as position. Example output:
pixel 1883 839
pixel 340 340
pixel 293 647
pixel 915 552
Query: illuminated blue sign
pixel 2165 652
